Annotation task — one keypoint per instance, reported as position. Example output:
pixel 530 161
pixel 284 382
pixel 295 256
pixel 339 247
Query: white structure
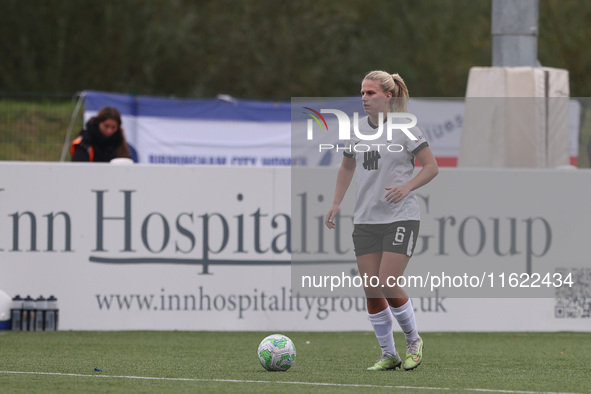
pixel 516 117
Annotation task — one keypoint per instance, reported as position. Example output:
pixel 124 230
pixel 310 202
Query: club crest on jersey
pixel 370 161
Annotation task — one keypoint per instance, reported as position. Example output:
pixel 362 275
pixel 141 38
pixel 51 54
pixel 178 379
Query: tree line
pixel 267 49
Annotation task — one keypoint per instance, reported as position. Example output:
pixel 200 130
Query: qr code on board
pixel 574 302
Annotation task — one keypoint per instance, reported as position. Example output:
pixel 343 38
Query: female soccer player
pixel 386 215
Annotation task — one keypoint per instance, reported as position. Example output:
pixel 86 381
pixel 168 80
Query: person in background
pixel 102 140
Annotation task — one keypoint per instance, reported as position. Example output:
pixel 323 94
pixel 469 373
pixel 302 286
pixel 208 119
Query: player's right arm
pixel 344 177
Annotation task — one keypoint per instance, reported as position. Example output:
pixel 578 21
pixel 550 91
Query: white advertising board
pixel 149 247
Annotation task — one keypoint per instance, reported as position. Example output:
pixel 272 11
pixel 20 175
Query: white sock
pixel 382 326
pixel 405 315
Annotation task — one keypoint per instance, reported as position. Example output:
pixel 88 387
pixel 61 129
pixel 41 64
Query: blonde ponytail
pixel 401 95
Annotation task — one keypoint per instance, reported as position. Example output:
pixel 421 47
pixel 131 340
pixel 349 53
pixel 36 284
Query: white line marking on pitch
pixel 283 382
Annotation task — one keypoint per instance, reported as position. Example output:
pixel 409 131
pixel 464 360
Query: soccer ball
pixel 276 353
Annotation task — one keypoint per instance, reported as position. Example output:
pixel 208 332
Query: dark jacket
pixel 92 145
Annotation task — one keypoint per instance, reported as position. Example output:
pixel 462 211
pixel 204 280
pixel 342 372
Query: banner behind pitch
pixel 233 132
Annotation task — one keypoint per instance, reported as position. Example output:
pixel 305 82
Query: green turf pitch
pixel 326 362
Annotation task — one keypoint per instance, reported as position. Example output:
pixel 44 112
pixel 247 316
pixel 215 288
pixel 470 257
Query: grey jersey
pixel 381 163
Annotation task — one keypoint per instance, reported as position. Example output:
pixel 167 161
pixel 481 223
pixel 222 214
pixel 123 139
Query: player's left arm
pixel 428 171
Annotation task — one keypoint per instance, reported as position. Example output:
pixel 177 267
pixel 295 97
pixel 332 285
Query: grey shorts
pixel 397 237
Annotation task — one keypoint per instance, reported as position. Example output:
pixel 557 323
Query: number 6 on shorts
pixel 399 236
